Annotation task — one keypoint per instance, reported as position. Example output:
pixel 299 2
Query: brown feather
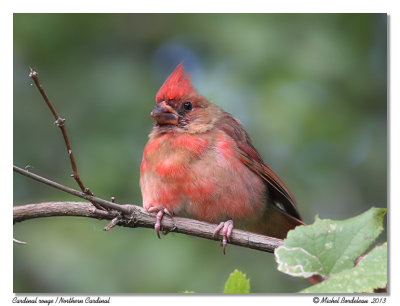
pixel 278 222
pixel 279 194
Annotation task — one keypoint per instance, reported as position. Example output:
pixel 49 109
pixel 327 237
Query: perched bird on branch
pixel 200 163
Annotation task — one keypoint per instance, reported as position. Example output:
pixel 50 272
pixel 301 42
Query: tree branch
pixel 141 218
pixel 103 203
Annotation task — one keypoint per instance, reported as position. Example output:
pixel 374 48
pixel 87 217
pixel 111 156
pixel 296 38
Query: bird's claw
pixel 225 229
pixel 159 216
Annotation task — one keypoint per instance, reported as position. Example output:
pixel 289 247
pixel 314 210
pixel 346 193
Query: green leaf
pixel 369 274
pixel 327 246
pixel 237 283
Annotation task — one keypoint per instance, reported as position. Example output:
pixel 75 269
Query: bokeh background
pixel 309 88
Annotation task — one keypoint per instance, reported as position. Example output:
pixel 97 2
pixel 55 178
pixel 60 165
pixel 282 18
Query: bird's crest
pixel 176 85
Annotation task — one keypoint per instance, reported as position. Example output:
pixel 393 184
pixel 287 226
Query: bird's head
pixel 179 107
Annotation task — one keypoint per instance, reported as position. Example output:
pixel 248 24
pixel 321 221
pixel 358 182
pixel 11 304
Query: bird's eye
pixel 188 106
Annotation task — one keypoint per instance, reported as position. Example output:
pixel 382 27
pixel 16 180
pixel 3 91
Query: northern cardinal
pixel 200 163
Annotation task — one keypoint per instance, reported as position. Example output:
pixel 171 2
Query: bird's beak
pixel 164 114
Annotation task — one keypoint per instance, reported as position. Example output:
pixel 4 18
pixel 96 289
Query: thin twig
pixel 74 192
pixel 144 219
pixel 18 241
pixel 114 222
pixel 60 122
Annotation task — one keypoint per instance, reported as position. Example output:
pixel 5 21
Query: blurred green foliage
pixel 309 88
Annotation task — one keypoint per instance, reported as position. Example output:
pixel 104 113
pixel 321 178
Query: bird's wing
pixel 279 193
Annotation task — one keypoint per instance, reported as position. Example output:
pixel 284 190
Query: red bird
pixel 200 163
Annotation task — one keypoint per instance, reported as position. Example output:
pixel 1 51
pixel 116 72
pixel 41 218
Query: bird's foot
pixel 159 216
pixel 225 229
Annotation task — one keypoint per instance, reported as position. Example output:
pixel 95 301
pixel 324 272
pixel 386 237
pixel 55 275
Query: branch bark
pixel 141 218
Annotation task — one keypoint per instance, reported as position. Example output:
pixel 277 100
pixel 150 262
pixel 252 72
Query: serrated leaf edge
pixel 241 275
pixel 376 213
pixel 369 289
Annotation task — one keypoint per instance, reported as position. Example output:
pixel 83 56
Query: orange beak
pixel 164 114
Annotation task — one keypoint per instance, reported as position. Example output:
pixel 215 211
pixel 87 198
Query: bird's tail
pixel 279 222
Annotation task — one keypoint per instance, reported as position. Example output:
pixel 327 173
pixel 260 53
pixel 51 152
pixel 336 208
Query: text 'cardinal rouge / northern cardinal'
pixel 200 163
